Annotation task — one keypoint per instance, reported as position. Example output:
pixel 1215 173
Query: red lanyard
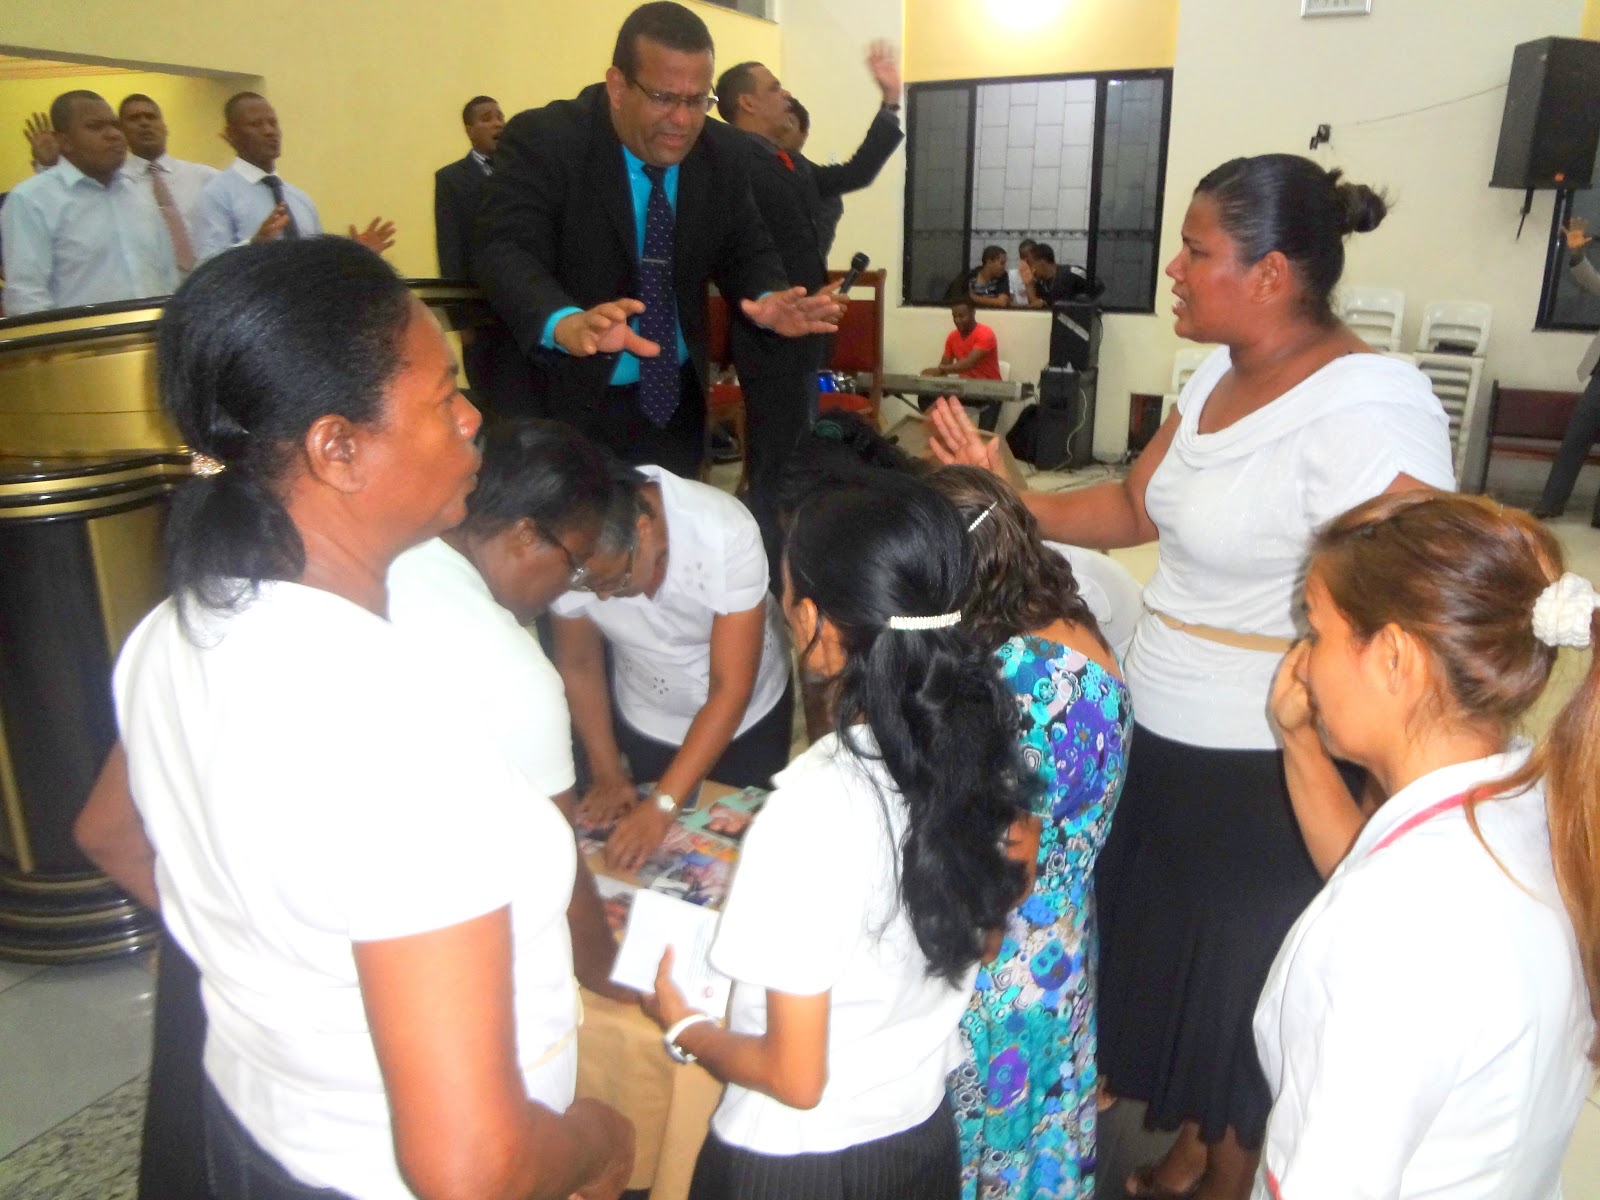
pixel 1421 818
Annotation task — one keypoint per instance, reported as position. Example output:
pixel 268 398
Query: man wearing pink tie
pixel 174 184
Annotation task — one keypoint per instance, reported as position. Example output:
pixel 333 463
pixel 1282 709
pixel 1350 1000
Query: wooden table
pixel 621 1061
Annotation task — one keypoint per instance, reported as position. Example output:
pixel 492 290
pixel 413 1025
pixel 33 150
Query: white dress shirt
pixel 235 203
pixel 186 181
pixel 70 240
pixel 1425 1024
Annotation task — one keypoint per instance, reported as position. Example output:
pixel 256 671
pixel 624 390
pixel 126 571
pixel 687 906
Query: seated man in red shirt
pixel 971 350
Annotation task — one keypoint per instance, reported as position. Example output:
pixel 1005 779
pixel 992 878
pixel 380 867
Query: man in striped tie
pixel 174 184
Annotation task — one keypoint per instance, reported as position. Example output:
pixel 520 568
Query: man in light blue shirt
pixel 247 202
pixel 83 232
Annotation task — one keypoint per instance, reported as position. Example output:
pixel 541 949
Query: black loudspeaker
pixel 1551 124
pixel 1075 334
pixel 1064 432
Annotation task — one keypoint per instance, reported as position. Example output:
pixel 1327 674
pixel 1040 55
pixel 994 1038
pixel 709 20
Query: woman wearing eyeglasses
pixel 699 687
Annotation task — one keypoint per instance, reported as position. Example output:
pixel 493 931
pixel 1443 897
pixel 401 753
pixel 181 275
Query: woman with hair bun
pixel 870 881
pixel 1290 422
pixel 1426 1024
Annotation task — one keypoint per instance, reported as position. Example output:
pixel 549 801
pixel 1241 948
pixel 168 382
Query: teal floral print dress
pixel 1024 1095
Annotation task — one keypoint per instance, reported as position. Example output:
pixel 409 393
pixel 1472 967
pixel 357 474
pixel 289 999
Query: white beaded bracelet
pixel 671 1036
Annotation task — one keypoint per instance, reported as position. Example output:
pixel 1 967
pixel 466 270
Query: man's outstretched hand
pixel 793 313
pixel 603 329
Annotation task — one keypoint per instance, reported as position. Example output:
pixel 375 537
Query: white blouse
pixel 1236 510
pixel 661 645
pixel 815 907
pixel 1425 1025
pixel 304 791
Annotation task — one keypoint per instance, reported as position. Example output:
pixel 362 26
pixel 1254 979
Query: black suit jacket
pixel 556 230
pixel 791 204
pixel 457 191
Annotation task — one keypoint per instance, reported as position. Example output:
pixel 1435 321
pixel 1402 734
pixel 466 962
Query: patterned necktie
pixel 659 376
pixel 291 230
pixel 182 247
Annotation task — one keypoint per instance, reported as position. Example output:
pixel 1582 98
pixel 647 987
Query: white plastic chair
pixel 1109 589
pixel 1463 322
pixel 1375 314
pixel 1457 380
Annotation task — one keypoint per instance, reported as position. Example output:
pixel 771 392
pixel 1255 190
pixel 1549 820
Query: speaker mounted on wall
pixel 1551 125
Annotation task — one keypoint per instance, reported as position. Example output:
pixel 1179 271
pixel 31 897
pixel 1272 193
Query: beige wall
pixel 191 105
pixel 369 91
pixel 981 39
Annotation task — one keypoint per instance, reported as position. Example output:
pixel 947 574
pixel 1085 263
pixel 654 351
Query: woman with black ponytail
pixel 377 908
pixel 871 880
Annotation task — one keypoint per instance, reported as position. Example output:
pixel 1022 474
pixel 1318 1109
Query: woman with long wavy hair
pixel 870 881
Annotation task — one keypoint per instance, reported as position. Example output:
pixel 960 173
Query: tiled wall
pixel 1130 189
pixel 1031 168
pixel 1034 157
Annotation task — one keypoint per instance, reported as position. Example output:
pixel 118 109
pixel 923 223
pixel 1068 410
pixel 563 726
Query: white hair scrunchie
pixel 1564 611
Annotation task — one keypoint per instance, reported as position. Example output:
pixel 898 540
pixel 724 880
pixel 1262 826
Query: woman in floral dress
pixel 1024 1095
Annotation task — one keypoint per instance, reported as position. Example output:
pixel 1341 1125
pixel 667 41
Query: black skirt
pixel 1202 875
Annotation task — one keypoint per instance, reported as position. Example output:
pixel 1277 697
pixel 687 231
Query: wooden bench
pixel 1527 423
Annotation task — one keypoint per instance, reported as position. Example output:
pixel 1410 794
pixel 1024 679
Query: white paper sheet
pixel 657 922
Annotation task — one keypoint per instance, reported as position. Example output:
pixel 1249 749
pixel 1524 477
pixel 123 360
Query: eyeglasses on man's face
pixel 665 102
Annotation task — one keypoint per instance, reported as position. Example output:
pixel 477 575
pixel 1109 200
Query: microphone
pixel 858 264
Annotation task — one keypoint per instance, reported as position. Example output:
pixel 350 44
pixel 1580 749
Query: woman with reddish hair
pixel 1425 1026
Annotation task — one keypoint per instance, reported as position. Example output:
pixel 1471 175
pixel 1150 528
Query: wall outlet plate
pixel 1335 8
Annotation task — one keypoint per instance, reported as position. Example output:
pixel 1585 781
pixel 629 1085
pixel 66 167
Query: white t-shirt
pixel 302 793
pixel 489 667
pixel 1424 1027
pixel 815 906
pixel 1236 510
pixel 661 646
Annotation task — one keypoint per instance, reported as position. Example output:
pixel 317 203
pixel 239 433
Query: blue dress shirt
pixel 70 239
pixel 627 369
pixel 234 204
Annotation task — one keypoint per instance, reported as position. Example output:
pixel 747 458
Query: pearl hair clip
pixel 981 517
pixel 915 624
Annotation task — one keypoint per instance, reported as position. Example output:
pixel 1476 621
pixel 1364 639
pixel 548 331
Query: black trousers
pixel 615 420
pixel 921 1163
pixel 778 409
pixel 172 1163
pixel 751 759
pixel 1582 429
pixel 239 1168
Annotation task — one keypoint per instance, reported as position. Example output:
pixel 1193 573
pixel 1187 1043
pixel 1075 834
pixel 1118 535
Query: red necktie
pixel 783 157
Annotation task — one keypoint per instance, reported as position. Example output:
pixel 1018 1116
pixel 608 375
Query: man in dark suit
pixel 779 376
pixel 604 220
pixel 495 367
pixel 458 187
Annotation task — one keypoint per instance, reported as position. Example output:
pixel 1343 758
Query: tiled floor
pixel 74 1041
